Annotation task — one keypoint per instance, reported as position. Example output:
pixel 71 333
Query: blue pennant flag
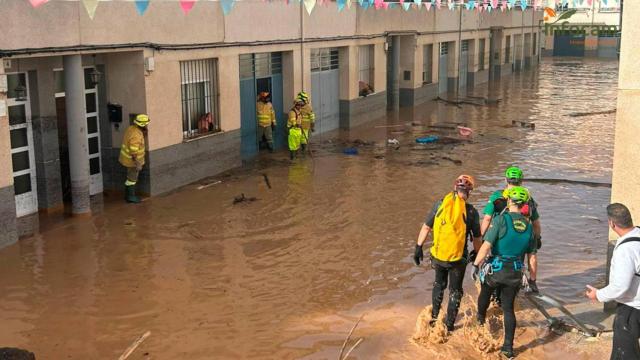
pixel 471 4
pixel 523 4
pixel 227 5
pixel 341 4
pixel 141 6
pixel 406 6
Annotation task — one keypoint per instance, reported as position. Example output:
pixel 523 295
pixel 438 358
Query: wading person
pixel 508 239
pixel 294 124
pixel 266 119
pixel 498 202
pixel 308 119
pixel 624 284
pixel 452 220
pixel 132 155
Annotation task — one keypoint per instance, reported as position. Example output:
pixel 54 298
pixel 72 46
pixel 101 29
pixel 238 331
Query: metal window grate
pixel 260 65
pixel 481 54
pixel 365 62
pixel 444 48
pixel 465 45
pixel 324 59
pixel 199 89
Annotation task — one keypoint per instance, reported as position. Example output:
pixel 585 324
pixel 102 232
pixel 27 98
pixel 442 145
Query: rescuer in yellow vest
pixel 294 124
pixel 308 118
pixel 132 155
pixel 266 119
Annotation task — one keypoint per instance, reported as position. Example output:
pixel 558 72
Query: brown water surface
pixel 287 276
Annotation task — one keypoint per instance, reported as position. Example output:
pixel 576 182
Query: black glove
pixel 475 273
pixel 418 255
pixel 472 256
pixel 538 239
pixel 273 127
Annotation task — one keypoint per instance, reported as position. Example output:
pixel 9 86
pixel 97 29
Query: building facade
pixel 73 86
pixel 593 31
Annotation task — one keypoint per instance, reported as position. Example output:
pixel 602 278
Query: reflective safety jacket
pixel 132 147
pixel 308 116
pixel 295 118
pixel 266 115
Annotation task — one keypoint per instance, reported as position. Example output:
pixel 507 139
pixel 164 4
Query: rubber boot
pixel 292 154
pixel 304 148
pixel 130 194
pixel 270 146
pixel 507 352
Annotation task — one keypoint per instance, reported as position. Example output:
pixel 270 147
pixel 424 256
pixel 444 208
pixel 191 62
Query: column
pixel 626 155
pixel 77 133
pixel 8 229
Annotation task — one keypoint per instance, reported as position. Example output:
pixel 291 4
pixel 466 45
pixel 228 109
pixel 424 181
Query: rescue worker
pixel 497 203
pixel 266 119
pixel 452 221
pixel 294 124
pixel 509 238
pixel 308 118
pixel 132 155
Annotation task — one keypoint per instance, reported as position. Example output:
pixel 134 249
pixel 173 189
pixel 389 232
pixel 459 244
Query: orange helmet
pixel 263 95
pixel 465 182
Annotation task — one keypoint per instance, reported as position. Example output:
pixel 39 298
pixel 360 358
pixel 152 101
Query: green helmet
pixel 518 194
pixel 514 173
pixel 303 96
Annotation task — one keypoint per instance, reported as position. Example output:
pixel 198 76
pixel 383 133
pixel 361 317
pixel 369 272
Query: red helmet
pixel 466 182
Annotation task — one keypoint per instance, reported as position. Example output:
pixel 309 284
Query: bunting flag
pixel 589 2
pixel 452 5
pixel 90 6
pixel 605 2
pixel 406 6
pixel 566 2
pixel 494 4
pixel 227 5
pixel 309 5
pixel 510 4
pixel 348 4
pixel 187 5
pixel 418 2
pixel 36 3
pixel 485 5
pixel 523 4
pixel 141 6
pixel 503 5
pixel 438 4
pixel 378 3
pixel 471 4
pixel 341 4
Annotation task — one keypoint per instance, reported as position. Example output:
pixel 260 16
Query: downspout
pixel 302 43
pixel 459 54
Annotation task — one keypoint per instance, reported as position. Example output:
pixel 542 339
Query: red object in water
pixel 464 131
pixel 525 210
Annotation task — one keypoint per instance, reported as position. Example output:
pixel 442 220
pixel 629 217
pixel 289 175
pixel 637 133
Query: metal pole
pixel 522 43
pixel 459 54
pixel 395 81
pixel 302 42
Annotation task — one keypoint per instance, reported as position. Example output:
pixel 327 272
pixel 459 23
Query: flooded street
pixel 287 276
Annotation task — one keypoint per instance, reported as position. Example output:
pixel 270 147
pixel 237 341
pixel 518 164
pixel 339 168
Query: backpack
pixel 450 229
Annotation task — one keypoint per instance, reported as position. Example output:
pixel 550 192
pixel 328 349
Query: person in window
pixel 132 155
pixel 266 119
pixel 365 89
pixel 205 124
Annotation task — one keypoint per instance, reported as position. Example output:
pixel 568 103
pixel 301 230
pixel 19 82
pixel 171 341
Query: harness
pixel 628 240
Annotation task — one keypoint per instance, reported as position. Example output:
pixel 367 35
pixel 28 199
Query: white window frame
pixel 366 70
pixel 427 64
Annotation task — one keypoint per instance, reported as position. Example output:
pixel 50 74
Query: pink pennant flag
pixel 187 5
pixel 589 2
pixel 378 3
pixel 385 5
pixel 36 3
pixel 428 5
pixel 503 5
pixel 438 4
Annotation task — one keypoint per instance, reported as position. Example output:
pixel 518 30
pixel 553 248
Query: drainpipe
pixel 77 133
pixel 302 42
pixel 620 28
pixel 459 54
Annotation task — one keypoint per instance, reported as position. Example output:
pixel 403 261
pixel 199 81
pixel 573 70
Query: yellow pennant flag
pixel 90 6
pixel 309 5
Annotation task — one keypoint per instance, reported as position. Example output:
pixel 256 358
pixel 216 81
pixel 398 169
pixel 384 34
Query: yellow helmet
pixel 141 120
pixel 303 96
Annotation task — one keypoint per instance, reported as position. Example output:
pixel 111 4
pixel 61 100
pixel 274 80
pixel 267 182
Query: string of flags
pixel 472 5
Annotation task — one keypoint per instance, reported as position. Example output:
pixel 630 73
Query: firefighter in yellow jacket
pixel 266 119
pixel 294 124
pixel 308 118
pixel 132 155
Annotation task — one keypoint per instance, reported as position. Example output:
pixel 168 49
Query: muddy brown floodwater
pixel 287 276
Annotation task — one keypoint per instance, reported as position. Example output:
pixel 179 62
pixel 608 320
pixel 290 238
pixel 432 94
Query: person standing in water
pixel 452 220
pixel 509 237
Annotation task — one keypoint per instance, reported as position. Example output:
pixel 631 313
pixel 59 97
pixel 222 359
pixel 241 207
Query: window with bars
pixel 200 97
pixel 260 65
pixel 324 59
pixel 481 54
pixel 365 70
pixel 444 48
pixel 427 64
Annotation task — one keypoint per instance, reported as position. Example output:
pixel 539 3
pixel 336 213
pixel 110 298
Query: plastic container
pixel 427 139
pixel 350 151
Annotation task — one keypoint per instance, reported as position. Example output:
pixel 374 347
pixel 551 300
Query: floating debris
pixel 241 198
pixel 455 161
pixel 579 114
pixel 209 184
pixel 524 124
pixel 266 180
pixel 350 151
pixel 427 139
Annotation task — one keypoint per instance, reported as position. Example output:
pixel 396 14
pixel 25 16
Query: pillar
pixel 8 227
pixel 77 133
pixel 626 156
pixel 394 80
